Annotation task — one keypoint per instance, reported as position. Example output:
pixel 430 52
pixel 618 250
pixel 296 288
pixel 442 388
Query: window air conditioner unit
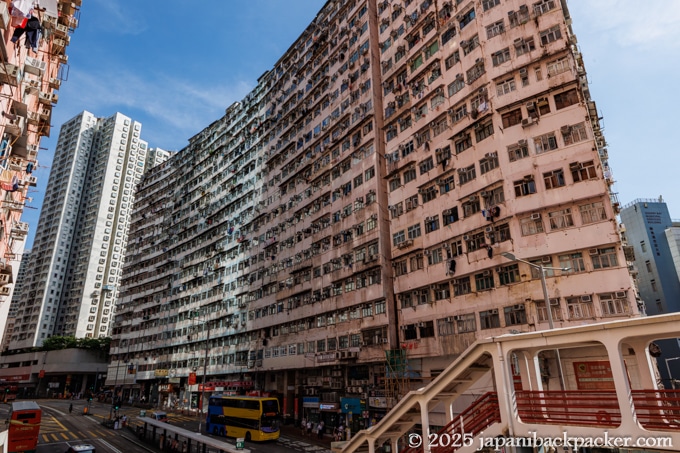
pixel 448 319
pixel 546 260
pixel 531 105
pixel 526 122
pixel 586 298
pixel 620 294
pixel 522 142
pixel 535 216
pixel 484 194
pixel 493 312
pixel 489 229
pixel 421 324
pixel 593 252
pixel 472 198
pixel 466 237
pixel 523 72
pixel 486 273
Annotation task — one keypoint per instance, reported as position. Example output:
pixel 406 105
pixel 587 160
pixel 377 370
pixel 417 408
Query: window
pixel 558 66
pixel 466 18
pixel 395 183
pixel 455 56
pixel 525 46
pixel 414 231
pixel 580 307
pixel 426 165
pixel 410 333
pixel 550 35
pixel 442 290
pixel 555 309
pixel 604 258
pixel 462 286
pixel 572 261
pixel 525 186
pixel 517 152
pixel 489 162
pixel 500 57
pixel 574 134
pixel 545 143
pixel 470 45
pixel 488 4
pixel 566 99
pixel 426 329
pixel 582 171
pixel 398 238
pixel 409 175
pixel 508 274
pixel 475 72
pixel 466 174
pixel 592 212
pixel 515 315
pixel 466 323
pixel 560 219
pixel 448 36
pixel 484 281
pixel 489 319
pixel 428 193
pixel 463 142
pixel 450 215
pixel 613 304
pixel 495 29
pixel 411 203
pixel 483 131
pixel 543 6
pixel 416 262
pixel 512 118
pixel 445 326
pixel 554 179
pixel 531 225
pixel 431 224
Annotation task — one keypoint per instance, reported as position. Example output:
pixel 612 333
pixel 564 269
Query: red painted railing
pixel 657 409
pixel 476 418
pixel 571 407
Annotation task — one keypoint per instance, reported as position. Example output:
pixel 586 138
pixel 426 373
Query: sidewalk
pixel 293 433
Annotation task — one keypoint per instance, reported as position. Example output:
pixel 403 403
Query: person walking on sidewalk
pixel 303 426
pixel 320 430
pixel 309 428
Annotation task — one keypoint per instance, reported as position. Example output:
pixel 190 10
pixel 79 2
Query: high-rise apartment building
pixel 32 62
pixel 80 241
pixel 650 232
pixel 16 297
pixel 340 231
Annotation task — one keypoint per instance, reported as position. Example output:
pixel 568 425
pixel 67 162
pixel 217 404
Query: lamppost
pixel 668 368
pixel 546 298
pixel 205 371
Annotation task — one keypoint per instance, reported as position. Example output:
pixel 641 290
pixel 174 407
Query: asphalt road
pixel 59 430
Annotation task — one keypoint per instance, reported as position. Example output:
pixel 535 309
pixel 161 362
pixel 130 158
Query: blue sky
pixel 176 65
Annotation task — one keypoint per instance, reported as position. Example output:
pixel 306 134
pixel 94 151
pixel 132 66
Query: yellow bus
pixel 251 417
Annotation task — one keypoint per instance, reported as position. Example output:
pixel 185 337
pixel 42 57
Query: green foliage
pixel 95 344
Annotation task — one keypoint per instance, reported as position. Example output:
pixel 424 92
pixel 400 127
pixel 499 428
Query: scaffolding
pixel 397 376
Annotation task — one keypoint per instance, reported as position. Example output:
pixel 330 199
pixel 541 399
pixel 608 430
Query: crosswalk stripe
pixel 45 438
pixel 64 436
pixel 54 436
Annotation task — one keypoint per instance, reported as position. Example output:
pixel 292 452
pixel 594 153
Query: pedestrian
pixel 303 426
pixel 161 442
pixel 309 427
pixel 320 429
pixel 70 408
pixel 184 447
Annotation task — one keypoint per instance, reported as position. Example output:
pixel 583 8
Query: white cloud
pixel 630 23
pixel 120 19
pixel 177 108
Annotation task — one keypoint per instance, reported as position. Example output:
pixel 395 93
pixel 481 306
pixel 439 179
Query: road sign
pixel 240 442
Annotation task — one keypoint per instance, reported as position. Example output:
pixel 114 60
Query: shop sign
pixel 165 388
pixel 192 378
pixel 161 373
pixel 327 357
pixel 328 406
pixel 17 377
pixel 377 401
pixel 595 375
pixel 350 405
pixel 310 401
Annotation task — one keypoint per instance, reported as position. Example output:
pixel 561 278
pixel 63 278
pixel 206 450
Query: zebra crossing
pixel 87 434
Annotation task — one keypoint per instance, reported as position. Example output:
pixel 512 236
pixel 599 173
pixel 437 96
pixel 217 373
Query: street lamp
pixel 668 368
pixel 205 373
pixel 546 297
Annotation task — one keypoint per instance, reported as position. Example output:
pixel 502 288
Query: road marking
pixel 59 423
pixel 54 436
pixel 45 438
pixel 115 450
pixel 64 436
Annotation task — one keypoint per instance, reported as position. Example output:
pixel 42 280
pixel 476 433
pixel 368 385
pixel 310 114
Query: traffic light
pixel 6 389
pixel 116 407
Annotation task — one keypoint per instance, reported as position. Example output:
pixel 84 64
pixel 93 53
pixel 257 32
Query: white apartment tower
pixel 81 235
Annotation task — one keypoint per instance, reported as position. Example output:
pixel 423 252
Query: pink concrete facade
pixel 30 74
pixel 359 199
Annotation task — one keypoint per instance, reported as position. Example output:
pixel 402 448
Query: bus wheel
pixel 248 436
